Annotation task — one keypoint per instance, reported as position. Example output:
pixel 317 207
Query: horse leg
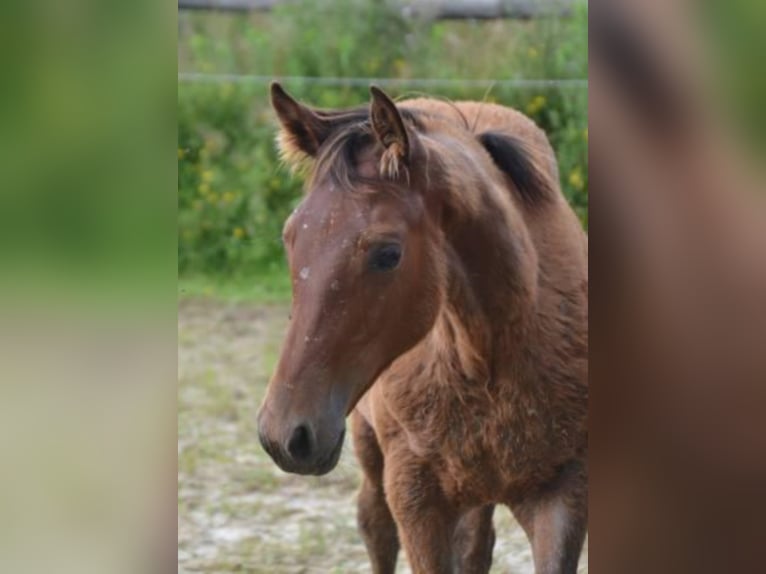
pixel 556 522
pixel 374 518
pixel 474 540
pixel 425 518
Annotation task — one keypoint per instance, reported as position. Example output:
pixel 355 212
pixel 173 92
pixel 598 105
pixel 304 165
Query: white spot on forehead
pixel 305 226
pixel 304 274
pixel 335 285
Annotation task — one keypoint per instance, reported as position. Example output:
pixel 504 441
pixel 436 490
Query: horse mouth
pixel 330 460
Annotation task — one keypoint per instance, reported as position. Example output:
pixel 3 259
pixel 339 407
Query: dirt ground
pixel 237 512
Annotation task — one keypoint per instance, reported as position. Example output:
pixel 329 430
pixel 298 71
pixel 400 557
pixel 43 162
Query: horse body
pixel 488 379
pixel 480 398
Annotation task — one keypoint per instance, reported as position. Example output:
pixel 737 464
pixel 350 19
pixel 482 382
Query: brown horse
pixel 440 298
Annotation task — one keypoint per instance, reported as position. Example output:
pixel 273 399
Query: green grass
pixel 268 287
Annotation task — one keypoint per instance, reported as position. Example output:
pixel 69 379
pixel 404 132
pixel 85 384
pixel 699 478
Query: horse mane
pixel 338 156
pixel 517 160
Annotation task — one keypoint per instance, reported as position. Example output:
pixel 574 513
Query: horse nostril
pixel 300 444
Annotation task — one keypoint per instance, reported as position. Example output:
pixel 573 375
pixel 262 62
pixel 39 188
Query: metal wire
pixel 520 83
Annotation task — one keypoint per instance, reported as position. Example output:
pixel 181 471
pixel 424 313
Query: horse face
pixel 367 274
pixel 366 288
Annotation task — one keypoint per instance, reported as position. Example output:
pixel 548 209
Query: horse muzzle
pixel 301 447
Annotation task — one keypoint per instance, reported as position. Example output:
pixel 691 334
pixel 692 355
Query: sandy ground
pixel 237 512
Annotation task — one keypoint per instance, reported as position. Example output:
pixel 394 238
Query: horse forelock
pixel 339 157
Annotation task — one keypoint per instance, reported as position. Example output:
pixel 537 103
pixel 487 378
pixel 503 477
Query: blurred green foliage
pixel 86 202
pixel 735 44
pixel 233 194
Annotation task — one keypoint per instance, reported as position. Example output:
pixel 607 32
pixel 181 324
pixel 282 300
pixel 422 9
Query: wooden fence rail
pixel 433 9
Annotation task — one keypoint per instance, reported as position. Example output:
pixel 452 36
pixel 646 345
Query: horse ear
pixel 389 128
pixel 303 129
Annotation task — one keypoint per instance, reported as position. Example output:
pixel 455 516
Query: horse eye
pixel 385 257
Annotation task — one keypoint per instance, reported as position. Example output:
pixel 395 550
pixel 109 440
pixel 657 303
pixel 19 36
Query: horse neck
pixel 490 304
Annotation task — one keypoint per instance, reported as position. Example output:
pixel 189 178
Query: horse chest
pixel 479 439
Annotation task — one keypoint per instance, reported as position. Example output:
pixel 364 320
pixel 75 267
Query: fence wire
pixel 520 83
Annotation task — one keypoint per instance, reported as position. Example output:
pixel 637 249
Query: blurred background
pixel 233 193
pixel 236 509
pixel 89 395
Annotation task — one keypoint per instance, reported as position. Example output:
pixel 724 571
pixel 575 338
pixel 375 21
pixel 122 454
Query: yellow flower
pixel 576 179
pixel 532 53
pixel 585 135
pixel 228 197
pixel 207 176
pixel 204 188
pixel 239 233
pixel 181 153
pixel 535 105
